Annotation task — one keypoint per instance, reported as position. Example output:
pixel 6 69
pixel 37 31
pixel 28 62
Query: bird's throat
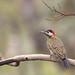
pixel 51 37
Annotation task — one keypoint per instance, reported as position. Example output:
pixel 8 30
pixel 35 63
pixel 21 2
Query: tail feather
pixel 66 63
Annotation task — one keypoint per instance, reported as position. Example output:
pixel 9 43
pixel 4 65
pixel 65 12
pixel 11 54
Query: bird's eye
pixel 47 31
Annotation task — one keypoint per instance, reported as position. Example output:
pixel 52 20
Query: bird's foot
pixel 51 55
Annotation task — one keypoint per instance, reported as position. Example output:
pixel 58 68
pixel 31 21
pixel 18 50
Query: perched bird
pixel 56 47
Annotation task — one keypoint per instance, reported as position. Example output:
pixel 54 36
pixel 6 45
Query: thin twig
pixel 62 14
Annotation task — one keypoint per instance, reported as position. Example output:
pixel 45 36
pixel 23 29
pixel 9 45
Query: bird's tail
pixel 66 63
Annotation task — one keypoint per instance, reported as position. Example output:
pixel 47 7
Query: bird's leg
pixel 51 54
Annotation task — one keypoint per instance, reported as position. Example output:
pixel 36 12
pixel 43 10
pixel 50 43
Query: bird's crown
pixel 51 31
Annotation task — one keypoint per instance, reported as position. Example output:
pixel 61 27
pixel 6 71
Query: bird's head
pixel 49 33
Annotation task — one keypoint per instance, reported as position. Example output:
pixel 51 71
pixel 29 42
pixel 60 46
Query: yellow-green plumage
pixel 55 45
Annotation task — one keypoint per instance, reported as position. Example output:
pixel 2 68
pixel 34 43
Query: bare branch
pixel 59 6
pixel 15 61
pixel 62 14
pixel 56 18
pixel 48 6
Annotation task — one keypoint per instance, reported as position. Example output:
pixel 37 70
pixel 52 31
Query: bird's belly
pixel 56 51
pixel 50 48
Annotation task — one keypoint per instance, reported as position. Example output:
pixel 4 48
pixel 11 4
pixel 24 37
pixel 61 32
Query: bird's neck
pixel 52 37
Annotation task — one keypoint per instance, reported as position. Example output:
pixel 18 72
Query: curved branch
pixel 62 14
pixel 15 61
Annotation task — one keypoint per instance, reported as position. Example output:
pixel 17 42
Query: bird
pixel 56 47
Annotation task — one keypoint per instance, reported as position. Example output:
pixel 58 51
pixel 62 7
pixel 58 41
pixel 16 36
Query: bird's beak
pixel 43 32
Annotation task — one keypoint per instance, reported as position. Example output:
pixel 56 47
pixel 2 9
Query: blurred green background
pixel 20 23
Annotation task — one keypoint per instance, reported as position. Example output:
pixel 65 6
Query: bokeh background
pixel 20 23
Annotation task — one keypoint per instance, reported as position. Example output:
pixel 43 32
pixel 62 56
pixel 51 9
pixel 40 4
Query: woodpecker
pixel 56 47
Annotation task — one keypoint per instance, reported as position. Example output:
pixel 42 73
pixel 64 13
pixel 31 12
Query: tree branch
pixel 15 61
pixel 61 14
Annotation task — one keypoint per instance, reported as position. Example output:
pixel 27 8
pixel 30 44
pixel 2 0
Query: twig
pixel 62 14
pixel 56 18
pixel 32 57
